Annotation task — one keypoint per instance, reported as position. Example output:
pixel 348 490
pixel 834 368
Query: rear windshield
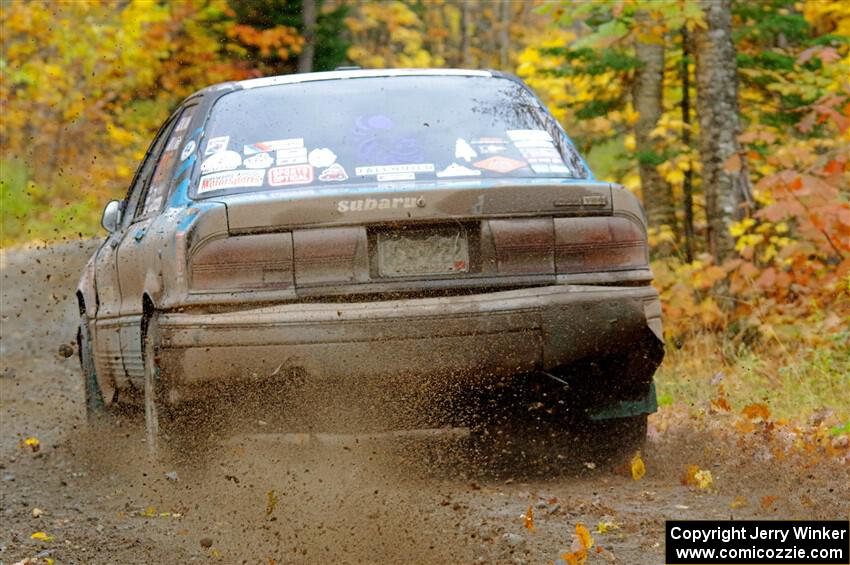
pixel 378 131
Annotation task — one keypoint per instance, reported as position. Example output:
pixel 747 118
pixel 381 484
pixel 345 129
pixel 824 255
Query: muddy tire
pixel 95 406
pixel 157 413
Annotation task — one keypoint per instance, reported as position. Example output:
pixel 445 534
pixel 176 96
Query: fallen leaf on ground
pixel 767 501
pixel 41 536
pixel 739 502
pixel 696 477
pixel 756 412
pixel 637 467
pixel 31 442
pixel 582 542
pixel 272 502
pixel 605 527
pixel 529 519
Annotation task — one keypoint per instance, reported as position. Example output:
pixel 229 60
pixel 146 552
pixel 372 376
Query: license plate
pixel 440 251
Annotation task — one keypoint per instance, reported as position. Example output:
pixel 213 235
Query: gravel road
pixel 100 500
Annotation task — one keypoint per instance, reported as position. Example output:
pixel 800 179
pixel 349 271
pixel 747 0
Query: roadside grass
pixel 795 381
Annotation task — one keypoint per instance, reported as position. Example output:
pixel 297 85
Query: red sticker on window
pixel 292 174
pixel 499 164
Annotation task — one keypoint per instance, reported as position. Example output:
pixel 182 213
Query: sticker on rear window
pixel 323 157
pixel 291 156
pixel 520 143
pixel 386 177
pixel 499 164
pixel 455 170
pixel 540 153
pixel 464 151
pixel 292 174
pixel 183 123
pixel 525 134
pixel 385 169
pixel 334 173
pixel 258 161
pixel 549 168
pixel 221 161
pixel 216 144
pixel 274 145
pixel 188 149
pixel 231 179
pixel 173 143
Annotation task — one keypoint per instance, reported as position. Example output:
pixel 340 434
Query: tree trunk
pixel 464 33
pixel 504 34
pixel 648 100
pixel 305 59
pixel 688 186
pixel 724 172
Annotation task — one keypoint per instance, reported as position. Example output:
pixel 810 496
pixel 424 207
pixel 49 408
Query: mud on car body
pixel 355 225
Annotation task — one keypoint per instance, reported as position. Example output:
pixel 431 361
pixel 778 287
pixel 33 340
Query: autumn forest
pixel 730 120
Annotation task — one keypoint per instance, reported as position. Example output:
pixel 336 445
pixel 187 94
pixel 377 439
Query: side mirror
pixel 111 216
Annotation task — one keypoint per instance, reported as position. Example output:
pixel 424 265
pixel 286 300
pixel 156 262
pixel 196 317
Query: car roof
pixel 357 73
pixel 340 75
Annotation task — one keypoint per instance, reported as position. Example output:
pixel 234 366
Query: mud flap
pixel 627 408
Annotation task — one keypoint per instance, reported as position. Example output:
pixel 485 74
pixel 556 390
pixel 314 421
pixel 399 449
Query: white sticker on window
pixel 231 179
pixel 216 144
pixel 293 174
pixel 455 170
pixel 464 151
pixel 540 152
pixel 385 177
pixel 259 161
pixel 294 156
pixel 385 169
pixel 323 157
pixel 525 134
pixel 274 145
pixel 174 143
pixel 221 161
pixel 183 123
pixel 188 149
pixel 520 143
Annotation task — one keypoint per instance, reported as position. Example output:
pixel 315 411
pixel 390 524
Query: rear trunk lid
pixel 420 203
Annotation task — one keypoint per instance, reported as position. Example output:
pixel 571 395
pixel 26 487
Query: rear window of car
pixel 380 130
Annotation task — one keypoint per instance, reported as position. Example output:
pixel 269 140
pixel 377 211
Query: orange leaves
pixel 279 40
pixel 582 542
pixel 528 519
pixel 696 477
pixel 756 412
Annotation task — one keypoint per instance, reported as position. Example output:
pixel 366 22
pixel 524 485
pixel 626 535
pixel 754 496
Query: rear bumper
pixel 475 336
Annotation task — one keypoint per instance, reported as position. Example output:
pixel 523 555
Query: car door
pixel 137 253
pixel 109 360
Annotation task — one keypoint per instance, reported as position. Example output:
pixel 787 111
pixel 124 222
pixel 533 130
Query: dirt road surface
pixel 99 499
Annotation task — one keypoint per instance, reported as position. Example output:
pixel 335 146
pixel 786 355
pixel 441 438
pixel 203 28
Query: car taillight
pixel 255 262
pixel 598 244
pixel 522 246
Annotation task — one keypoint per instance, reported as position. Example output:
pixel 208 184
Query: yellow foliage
pixel 637 467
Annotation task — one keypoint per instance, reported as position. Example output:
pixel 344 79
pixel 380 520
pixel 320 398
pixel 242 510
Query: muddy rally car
pixel 420 228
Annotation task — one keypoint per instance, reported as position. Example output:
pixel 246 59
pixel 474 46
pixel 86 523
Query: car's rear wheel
pixel 157 412
pixel 95 406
